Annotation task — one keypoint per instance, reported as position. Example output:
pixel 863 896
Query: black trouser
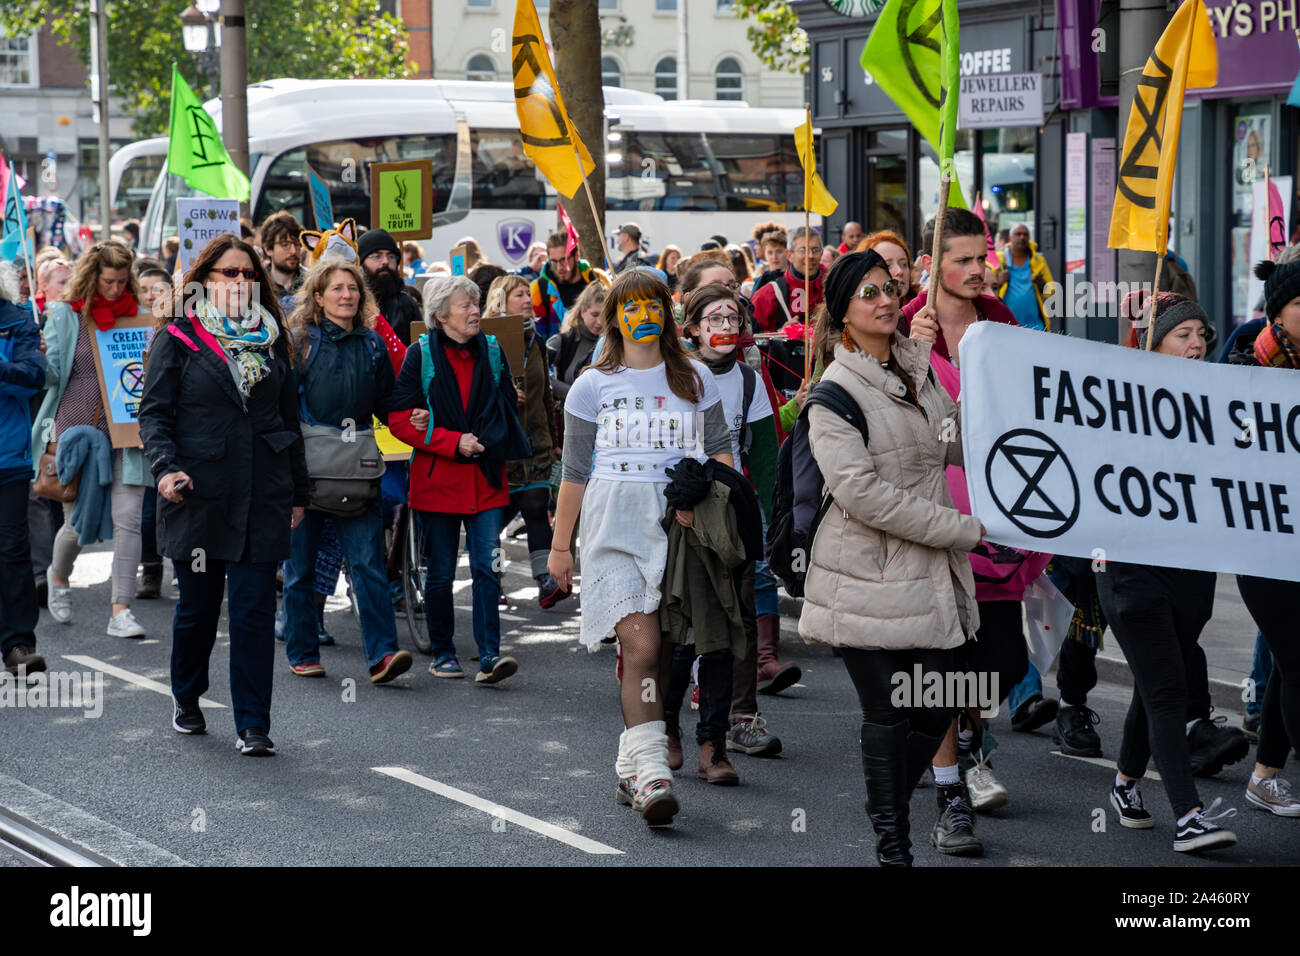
pixel 18 611
pixel 744 672
pixel 532 504
pixel 1157 615
pixel 44 519
pixel 872 674
pixel 1273 605
pixel 1076 673
pixel 715 692
pixel 999 646
pixel 149 528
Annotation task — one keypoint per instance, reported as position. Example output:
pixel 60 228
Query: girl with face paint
pixel 716 319
pixel 636 412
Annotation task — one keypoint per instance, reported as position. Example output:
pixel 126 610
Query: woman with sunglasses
pixel 101 292
pixel 888 580
pixel 219 419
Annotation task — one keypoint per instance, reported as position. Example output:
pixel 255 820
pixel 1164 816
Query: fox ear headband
pixel 340 241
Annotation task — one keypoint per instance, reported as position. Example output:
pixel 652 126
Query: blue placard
pixel 321 206
pixel 121 359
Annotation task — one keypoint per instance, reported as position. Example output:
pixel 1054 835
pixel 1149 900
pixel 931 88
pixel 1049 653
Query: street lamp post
pixel 201 34
pixel 202 24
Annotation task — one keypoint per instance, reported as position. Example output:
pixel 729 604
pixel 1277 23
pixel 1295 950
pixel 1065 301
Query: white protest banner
pixel 1097 451
pixel 999 100
pixel 199 221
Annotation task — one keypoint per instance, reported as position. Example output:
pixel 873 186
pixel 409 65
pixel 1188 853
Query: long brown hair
pixel 85 275
pixel 683 377
pixel 306 312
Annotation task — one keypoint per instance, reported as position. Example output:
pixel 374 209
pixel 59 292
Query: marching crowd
pixel 646 436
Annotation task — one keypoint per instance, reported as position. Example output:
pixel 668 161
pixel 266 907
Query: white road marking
pixel 1102 762
pixel 130 678
pixel 505 813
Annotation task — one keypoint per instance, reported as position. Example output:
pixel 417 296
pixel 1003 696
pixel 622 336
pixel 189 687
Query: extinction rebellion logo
pixel 1032 483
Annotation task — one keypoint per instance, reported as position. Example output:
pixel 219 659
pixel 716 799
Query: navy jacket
pixel 22 375
pixel 350 376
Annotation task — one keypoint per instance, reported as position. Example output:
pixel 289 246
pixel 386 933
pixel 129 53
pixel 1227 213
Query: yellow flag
pixel 1185 56
pixel 817 198
pixel 548 134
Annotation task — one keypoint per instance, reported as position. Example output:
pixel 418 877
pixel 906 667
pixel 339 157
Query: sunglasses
pixel 236 273
pixel 892 288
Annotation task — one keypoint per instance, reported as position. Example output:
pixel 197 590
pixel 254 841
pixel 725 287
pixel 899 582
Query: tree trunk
pixel 575 34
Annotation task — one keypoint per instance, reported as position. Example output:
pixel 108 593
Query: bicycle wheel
pixel 413 576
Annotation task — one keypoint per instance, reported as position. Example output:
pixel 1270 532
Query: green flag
pixel 194 149
pixel 913 55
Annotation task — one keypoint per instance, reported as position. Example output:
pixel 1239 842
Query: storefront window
pixel 1252 140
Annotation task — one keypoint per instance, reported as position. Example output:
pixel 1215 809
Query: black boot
pixel 884 756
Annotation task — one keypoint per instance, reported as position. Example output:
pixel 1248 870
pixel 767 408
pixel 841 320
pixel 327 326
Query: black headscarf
pixel 491 414
pixel 843 280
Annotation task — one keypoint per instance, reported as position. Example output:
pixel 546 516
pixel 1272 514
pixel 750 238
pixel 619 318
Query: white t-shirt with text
pixel 731 385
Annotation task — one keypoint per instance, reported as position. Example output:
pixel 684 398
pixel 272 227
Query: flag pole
pixel 1151 306
pixel 591 201
pixel 807 275
pixel 945 186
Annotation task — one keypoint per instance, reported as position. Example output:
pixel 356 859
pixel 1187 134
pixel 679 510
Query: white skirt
pixel 624 551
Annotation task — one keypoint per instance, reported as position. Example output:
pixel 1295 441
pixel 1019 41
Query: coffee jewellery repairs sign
pixel 1097 451
pixel 1000 100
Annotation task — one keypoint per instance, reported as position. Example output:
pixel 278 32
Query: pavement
pixel 437 772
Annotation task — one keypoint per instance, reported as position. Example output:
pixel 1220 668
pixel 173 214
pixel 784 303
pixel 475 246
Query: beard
pixel 384 284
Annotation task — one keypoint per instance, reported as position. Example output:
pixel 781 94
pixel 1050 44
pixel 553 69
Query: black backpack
pixel 795 517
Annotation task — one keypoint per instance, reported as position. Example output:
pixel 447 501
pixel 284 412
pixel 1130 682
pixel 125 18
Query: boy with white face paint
pixel 715 321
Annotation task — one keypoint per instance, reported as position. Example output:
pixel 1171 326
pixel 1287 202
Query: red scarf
pixel 1274 350
pixel 104 312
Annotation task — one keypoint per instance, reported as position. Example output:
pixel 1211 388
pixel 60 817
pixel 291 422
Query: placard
pixel 1260 230
pixel 401 199
pixel 418 328
pixel 1103 197
pixel 119 360
pixel 1076 202
pixel 457 258
pixel 1116 454
pixel 321 206
pixel 199 221
pixel 999 100
pixel 390 446
pixel 509 331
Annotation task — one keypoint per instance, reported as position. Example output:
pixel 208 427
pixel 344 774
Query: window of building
pixel 724 6
pixel 729 82
pixel 666 78
pixel 18 61
pixel 481 67
pixel 479 4
pixel 610 74
pixel 665 6
pixel 608 4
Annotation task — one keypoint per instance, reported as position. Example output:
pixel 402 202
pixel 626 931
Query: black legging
pixel 533 504
pixel 715 692
pixel 1157 615
pixel 999 646
pixel 872 674
pixel 1273 605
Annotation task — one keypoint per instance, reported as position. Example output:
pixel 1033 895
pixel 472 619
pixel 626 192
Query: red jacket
pixel 396 350
pixel 439 481
pixel 768 314
pixel 990 307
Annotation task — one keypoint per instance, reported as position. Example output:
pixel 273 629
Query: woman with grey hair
pixel 454 404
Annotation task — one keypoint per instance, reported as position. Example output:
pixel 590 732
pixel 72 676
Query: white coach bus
pixel 683 171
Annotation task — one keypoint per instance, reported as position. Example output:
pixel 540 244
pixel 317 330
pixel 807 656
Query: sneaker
pixel 1202 831
pixel 254 742
pixel 398 662
pixel 124 624
pixel 59 600
pixel 279 624
pixel 549 592
pixel 1074 733
pixel 493 670
pixel 1250 727
pixel 1034 713
pixel 749 736
pixel 954 833
pixel 150 586
pixel 188 719
pixel 656 803
pixel 503 602
pixel 25 659
pixel 986 793
pixel 448 668
pixel 310 669
pixel 1127 801
pixel 625 795
pixel 1274 795
pixel 1212 745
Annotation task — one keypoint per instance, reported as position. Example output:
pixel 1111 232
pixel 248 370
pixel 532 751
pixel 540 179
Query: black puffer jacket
pixel 349 377
pixel 247 464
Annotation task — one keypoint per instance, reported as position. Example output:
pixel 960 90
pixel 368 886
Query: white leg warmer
pixel 647 747
pixel 624 765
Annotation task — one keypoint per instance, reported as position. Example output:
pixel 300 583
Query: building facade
pixel 46 123
pixel 642 49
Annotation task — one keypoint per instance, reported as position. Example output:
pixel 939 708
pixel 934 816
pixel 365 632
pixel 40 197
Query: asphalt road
pixel 436 772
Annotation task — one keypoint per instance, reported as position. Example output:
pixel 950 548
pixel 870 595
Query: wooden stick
pixel 591 201
pixel 945 185
pixel 1151 306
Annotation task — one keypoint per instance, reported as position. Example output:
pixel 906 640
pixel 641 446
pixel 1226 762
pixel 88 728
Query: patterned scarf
pixel 246 342
pixel 1274 350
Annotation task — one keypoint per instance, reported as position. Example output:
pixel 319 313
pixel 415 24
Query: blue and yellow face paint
pixel 641 319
